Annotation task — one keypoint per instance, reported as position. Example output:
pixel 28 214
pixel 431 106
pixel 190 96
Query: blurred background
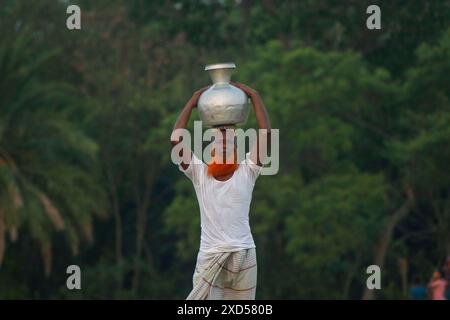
pixel 86 115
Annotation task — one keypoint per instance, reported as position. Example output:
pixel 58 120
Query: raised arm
pixel 263 121
pixel 183 119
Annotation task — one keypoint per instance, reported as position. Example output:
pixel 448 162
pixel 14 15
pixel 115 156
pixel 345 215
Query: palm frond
pixel 52 212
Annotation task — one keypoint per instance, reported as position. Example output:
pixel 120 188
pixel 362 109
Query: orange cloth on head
pixel 221 169
pixel 217 167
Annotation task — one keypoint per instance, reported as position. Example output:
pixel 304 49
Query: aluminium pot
pixel 222 104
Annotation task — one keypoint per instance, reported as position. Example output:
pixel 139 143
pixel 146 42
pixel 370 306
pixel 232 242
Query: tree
pixel 46 162
pixel 332 230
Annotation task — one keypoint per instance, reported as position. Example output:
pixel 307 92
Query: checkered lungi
pixel 225 276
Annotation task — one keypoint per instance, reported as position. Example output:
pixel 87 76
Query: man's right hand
pixel 185 114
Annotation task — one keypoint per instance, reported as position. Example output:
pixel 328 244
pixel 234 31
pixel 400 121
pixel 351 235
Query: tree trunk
pixel 403 268
pixel 118 225
pixel 349 278
pixel 382 248
pixel 140 232
pixel 118 241
pixel 141 222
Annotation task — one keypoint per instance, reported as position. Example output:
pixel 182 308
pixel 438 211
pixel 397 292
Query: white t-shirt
pixel 224 206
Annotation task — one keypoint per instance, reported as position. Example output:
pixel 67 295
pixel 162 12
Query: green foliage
pixel 183 221
pixel 46 163
pixel 331 233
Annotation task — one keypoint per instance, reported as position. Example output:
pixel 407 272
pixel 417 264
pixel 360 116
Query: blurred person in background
pixel 418 290
pixel 437 286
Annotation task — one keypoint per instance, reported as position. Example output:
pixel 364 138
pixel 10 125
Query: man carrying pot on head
pixel 226 262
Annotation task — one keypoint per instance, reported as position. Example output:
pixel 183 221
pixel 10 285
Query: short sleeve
pixel 195 169
pixel 252 169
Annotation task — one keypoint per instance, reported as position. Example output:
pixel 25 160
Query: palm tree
pixel 46 162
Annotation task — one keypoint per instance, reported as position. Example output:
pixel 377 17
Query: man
pixel 226 262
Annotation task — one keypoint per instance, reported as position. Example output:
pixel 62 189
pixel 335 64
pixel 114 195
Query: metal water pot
pixel 222 103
